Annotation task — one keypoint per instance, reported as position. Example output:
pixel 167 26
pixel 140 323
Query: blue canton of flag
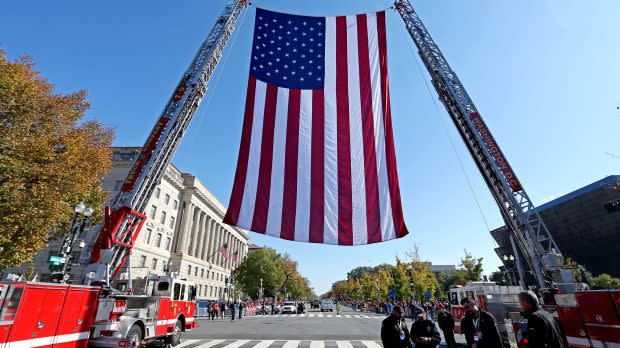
pixel 289 50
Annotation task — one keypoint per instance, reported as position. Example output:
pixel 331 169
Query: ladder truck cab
pixel 164 310
pixel 499 300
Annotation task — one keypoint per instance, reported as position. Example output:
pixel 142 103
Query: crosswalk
pixel 223 343
pixel 316 315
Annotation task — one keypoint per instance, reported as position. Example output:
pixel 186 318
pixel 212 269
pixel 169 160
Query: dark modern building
pixel 585 225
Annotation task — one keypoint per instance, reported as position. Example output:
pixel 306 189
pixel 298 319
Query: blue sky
pixel 544 75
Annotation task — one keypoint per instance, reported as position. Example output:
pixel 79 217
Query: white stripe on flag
pixel 251 181
pixel 330 235
pixel 302 213
pixel 358 180
pixel 387 223
pixel 274 214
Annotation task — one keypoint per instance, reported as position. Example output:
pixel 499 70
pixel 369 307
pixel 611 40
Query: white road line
pixel 344 344
pixel 365 316
pixel 338 316
pixel 263 344
pixel 302 315
pixel 291 344
pixel 310 315
pixel 320 315
pixel 317 344
pixel 348 316
pixel 210 344
pixel 329 315
pixel 236 344
pixel 186 343
pixel 371 344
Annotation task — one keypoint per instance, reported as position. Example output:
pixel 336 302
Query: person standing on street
pixel 222 309
pixel 241 309
pixel 215 311
pixel 233 310
pixel 394 332
pixel 446 324
pixel 542 330
pixel 479 327
pixel 424 332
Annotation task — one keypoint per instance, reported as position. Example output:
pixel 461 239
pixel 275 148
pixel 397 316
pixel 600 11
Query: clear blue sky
pixel 544 74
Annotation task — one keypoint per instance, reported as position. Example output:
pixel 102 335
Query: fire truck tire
pixel 136 332
pixel 175 338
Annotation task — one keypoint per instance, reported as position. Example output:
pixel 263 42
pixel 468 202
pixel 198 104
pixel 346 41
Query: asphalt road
pixel 310 330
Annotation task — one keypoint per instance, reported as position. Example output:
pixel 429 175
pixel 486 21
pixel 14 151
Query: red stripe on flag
pixel 373 215
pixel 261 207
pixel 345 209
pixel 232 214
pixel 289 198
pixel 390 154
pixel 317 168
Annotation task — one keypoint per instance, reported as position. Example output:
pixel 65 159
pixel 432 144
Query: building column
pixel 207 239
pixel 188 211
pixel 200 234
pixel 218 245
pixel 192 235
pixel 211 232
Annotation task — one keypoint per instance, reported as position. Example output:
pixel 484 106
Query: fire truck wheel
pixel 136 333
pixel 175 338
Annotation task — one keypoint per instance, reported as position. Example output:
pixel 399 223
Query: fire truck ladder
pixel 537 245
pixel 125 217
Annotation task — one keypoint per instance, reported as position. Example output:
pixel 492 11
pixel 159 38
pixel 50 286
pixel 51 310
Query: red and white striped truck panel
pixel 47 315
pixel 170 311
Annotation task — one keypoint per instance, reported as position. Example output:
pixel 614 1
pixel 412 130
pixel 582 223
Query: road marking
pixel 237 344
pixel 264 344
pixel 329 315
pixel 338 316
pixel 291 344
pixel 344 344
pixel 348 316
pixel 320 315
pixel 302 315
pixel 317 344
pixel 210 344
pixel 186 343
pixel 371 344
pixel 310 315
pixel 365 316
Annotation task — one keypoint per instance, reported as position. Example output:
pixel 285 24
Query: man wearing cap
pixel 479 327
pixel 394 332
pixel 424 332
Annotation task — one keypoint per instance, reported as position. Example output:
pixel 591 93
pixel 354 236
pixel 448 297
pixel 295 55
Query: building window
pixel 158 240
pixel 167 199
pixel 157 192
pixel 153 212
pixel 162 219
pixel 117 185
pixel 202 273
pixel 147 236
pixel 175 204
pixel 168 243
pixel 172 218
pixel 189 269
pixel 154 264
pixel 142 260
pixel 164 265
pixel 196 271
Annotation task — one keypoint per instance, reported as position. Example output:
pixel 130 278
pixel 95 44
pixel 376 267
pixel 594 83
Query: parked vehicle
pixel 289 307
pixel 315 304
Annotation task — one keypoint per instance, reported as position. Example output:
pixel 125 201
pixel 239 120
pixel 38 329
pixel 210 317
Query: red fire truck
pixel 34 314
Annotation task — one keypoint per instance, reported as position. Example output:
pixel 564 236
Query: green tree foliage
pixel 471 266
pixel 50 159
pixel 498 277
pixel 605 281
pixel 279 274
pixel 580 273
pixel 423 278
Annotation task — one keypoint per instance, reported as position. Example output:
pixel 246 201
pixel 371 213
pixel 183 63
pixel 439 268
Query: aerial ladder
pixel 527 229
pixel 125 216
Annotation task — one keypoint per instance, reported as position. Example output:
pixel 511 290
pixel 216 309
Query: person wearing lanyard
pixel 424 332
pixel 394 332
pixel 479 327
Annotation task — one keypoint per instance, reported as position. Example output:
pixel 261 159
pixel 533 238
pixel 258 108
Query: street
pixel 312 329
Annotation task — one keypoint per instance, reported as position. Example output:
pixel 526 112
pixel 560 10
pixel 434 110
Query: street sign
pixel 427 294
pixel 392 294
pixel 56 260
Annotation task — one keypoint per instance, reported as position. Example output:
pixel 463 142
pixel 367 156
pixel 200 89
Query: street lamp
pixel 77 228
pixel 410 270
pixel 510 258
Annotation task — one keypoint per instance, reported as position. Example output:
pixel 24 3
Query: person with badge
pixel 479 327
pixel 394 332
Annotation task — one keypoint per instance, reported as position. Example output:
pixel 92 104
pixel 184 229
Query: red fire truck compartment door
pixel 574 327
pixel 76 318
pixel 38 316
pixel 597 307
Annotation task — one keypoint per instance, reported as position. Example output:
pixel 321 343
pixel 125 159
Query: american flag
pixel 235 257
pixel 225 252
pixel 317 160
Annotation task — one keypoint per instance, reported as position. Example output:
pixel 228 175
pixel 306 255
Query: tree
pixel 265 264
pixel 580 273
pixel 423 278
pixel 472 267
pixel 50 159
pixel 498 277
pixel 605 281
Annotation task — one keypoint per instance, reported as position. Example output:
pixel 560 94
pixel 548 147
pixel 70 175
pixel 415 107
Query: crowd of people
pixel 410 308
pixel 478 326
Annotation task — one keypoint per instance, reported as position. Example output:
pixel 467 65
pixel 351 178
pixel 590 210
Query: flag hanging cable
pixel 317 161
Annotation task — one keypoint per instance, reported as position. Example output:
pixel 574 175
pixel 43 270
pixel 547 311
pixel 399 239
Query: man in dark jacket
pixel 394 332
pixel 542 330
pixel 446 324
pixel 479 327
pixel 424 332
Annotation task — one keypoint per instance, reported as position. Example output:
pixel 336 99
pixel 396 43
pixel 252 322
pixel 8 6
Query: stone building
pixel 183 233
